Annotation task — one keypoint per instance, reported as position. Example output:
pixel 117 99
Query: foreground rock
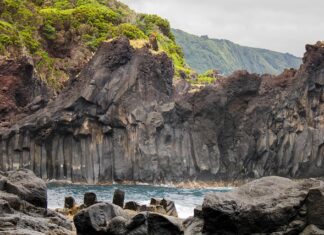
pixel 106 218
pixel 122 119
pixel 23 206
pixel 271 205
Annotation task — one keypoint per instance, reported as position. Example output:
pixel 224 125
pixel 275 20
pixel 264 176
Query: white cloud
pixel 280 25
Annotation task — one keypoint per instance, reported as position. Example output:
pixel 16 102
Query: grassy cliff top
pixel 62 35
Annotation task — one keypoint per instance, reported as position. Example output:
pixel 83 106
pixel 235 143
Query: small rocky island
pixel 270 205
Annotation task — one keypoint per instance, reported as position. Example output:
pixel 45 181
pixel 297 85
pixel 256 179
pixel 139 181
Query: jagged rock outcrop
pixel 122 119
pixel 270 205
pixel 23 206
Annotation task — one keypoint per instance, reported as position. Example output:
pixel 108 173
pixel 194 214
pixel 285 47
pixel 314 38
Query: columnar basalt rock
pixel 122 119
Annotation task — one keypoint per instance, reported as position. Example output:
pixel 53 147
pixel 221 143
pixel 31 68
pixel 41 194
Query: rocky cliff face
pixel 21 91
pixel 122 119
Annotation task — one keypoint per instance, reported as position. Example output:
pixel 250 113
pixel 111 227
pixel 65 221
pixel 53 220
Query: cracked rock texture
pixel 123 119
pixel 270 205
pixel 23 206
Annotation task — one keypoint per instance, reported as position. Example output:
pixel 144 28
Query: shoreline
pixel 180 185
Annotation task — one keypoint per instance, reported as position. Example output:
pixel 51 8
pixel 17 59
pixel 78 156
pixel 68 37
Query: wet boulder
pixel 169 207
pixel 119 197
pixel 89 199
pixel 163 206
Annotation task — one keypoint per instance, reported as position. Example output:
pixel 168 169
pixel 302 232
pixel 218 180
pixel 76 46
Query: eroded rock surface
pixel 23 206
pixel 106 218
pixel 122 119
pixel 270 205
pixel 21 92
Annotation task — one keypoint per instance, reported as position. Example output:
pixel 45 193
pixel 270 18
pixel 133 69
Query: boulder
pixel 193 226
pixel 89 199
pixel 267 205
pixel 69 202
pixel 119 197
pixel 315 207
pixel 169 207
pixel 95 219
pixel 134 206
pixel 163 206
pixel 163 225
pixel 23 206
pixel 117 226
pixel 312 230
pixel 27 186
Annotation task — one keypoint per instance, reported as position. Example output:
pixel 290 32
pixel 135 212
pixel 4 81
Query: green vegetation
pixel 202 53
pixel 206 78
pixel 48 29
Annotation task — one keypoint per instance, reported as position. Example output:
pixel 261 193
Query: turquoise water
pixel 185 199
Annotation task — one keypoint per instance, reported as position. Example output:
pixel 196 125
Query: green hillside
pixel 61 35
pixel 202 53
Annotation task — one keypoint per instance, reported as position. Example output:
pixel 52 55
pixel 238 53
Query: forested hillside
pixel 203 53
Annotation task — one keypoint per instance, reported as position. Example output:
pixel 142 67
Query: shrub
pixel 150 23
pixel 130 31
pixel 49 31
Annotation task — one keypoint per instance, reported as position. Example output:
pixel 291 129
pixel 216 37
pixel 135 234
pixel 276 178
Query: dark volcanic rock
pixel 164 225
pixel 268 205
pixel 134 206
pixel 69 202
pixel 122 120
pixel 119 197
pixel 25 185
pixel 89 199
pixel 23 206
pixel 315 207
pixel 94 219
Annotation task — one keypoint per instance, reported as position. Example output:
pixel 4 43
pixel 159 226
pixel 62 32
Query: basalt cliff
pixel 123 118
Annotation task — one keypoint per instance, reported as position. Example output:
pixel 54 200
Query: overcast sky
pixel 280 25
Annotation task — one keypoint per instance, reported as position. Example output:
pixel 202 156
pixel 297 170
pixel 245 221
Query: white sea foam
pixel 185 199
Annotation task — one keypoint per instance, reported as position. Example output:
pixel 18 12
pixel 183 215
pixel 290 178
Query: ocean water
pixel 185 199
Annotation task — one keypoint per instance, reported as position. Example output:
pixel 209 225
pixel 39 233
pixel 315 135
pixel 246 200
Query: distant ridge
pixel 203 53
